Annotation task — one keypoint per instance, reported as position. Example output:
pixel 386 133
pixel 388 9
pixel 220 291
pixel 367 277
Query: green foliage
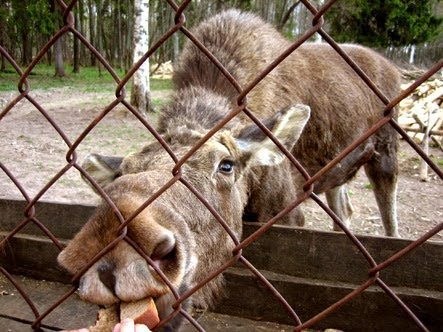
pixel 161 84
pixel 88 80
pixel 30 17
pixel 369 186
pixel 381 23
pixel 41 19
pixel 4 13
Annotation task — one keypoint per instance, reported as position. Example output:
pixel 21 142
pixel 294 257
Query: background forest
pixel 404 29
pixel 408 31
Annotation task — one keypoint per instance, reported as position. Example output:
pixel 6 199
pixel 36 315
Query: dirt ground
pixel 74 313
pixel 34 152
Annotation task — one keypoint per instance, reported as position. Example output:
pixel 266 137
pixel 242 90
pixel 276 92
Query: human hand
pixel 128 325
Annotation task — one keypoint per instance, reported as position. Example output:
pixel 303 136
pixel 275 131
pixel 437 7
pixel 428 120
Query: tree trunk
pixel 58 47
pixel 176 47
pixel 58 58
pixel 26 48
pixel 91 29
pixel 140 93
pixel 2 43
pixel 49 56
pixel 99 35
pixel 19 8
pixel 120 37
pixel 129 33
pixel 317 36
pixel 76 62
pixel 287 15
pixel 105 48
pixel 82 27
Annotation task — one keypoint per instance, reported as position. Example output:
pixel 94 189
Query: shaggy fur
pixel 239 171
pixel 342 105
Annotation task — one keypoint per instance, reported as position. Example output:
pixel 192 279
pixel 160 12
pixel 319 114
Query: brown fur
pixel 176 230
pixel 342 105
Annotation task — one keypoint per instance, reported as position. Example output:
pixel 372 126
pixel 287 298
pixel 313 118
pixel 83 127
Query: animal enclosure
pixel 374 273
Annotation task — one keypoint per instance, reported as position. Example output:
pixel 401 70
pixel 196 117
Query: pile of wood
pixel 421 114
pixel 162 70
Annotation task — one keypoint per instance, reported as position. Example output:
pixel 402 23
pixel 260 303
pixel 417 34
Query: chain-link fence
pixel 387 118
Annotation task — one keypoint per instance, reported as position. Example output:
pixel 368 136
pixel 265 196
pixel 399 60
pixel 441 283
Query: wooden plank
pixel 62 219
pixel 32 256
pixel 218 322
pixel 76 314
pixel 371 311
pixel 10 325
pixel 246 297
pixel 311 268
pixel 294 251
pixel 297 252
pixel 331 256
pixel 73 313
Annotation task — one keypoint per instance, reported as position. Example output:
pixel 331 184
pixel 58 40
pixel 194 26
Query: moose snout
pixel 125 275
pixel 164 248
pixel 106 275
pixel 157 241
pixel 161 253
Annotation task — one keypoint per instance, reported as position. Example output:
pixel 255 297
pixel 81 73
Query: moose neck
pixel 195 108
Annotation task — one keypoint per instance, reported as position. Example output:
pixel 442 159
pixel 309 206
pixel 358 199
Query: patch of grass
pixel 437 160
pixel 27 139
pixel 40 165
pixel 369 186
pixel 158 102
pixel 67 182
pixel 88 80
pixel 157 84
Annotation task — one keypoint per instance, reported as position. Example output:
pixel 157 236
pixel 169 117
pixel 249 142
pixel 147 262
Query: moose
pixel 312 102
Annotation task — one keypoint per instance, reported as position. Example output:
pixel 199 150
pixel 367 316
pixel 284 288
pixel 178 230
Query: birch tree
pixel 140 93
pixel 58 46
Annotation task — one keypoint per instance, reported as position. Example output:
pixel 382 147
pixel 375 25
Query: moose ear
pixel 286 125
pixel 103 169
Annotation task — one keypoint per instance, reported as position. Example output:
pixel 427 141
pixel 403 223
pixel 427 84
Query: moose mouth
pixel 125 275
pixel 108 283
pixel 142 312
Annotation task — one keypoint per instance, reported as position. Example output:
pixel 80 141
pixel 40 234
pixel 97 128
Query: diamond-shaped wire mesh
pixel 386 119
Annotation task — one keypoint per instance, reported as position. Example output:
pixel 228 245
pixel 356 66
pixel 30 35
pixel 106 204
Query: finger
pixel 127 325
pixel 117 328
pixel 141 328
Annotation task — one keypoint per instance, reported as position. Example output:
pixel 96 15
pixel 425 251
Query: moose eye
pixel 226 166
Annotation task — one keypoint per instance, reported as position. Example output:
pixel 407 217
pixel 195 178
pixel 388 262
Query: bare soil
pixel 34 153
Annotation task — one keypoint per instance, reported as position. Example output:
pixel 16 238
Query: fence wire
pixel 387 118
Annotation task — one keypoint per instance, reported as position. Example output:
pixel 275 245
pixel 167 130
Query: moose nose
pixel 106 275
pixel 164 248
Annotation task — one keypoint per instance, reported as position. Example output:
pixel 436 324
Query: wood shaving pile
pixel 423 109
pixel 162 71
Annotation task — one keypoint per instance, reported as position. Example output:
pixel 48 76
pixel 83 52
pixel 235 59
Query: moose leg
pixel 339 202
pixel 382 172
pixel 333 184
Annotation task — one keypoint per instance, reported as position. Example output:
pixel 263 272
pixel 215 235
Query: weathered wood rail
pixel 312 269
